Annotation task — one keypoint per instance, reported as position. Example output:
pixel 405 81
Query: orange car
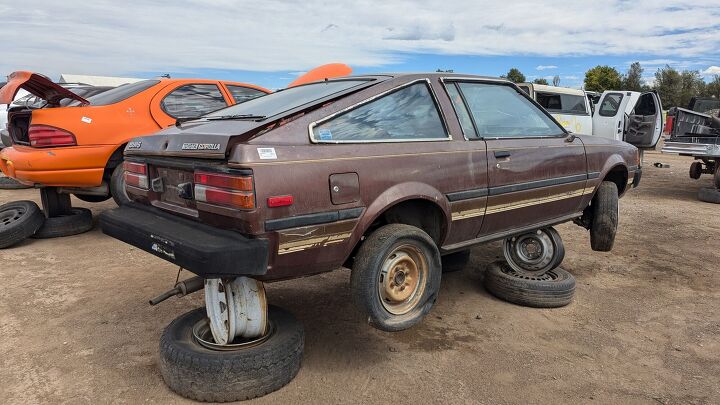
pixel 78 149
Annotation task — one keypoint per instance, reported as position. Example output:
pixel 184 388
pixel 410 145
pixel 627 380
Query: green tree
pixel 601 78
pixel 540 80
pixel 632 80
pixel 515 76
pixel 676 88
pixel 712 89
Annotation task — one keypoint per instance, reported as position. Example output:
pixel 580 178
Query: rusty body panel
pixel 480 189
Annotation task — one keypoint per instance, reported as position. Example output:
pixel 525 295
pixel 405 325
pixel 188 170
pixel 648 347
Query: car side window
pixel 499 110
pixel 409 113
pixel 562 103
pixel 610 104
pixel 193 100
pixel 242 94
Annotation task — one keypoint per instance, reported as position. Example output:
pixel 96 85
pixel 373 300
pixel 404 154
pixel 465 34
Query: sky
pixel 270 42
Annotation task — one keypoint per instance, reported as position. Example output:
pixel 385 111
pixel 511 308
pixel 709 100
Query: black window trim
pixel 216 84
pixel 504 82
pixel 368 100
pixel 467 110
pixel 615 93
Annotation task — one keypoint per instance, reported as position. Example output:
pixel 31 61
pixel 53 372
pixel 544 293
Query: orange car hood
pixel 36 85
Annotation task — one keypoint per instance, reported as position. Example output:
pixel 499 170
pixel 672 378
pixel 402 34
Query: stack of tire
pixel 20 220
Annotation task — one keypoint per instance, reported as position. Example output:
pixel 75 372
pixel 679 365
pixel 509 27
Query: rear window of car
pixel 610 105
pixel 409 113
pixel 121 93
pixel 562 103
pixel 288 99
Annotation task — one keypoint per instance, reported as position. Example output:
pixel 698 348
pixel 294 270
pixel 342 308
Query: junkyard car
pixel 79 146
pixel 382 174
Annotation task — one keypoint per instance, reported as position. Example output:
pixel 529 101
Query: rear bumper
pixel 70 166
pixel 204 250
pixel 711 148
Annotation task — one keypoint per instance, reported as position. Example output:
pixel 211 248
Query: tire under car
pixel 195 371
pixel 709 195
pixel 555 288
pixel 604 217
pixel 78 221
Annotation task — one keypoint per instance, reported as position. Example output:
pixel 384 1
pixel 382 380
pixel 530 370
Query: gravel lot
pixel 644 326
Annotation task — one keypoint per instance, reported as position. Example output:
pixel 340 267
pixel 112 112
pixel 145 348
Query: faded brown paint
pixel 389 173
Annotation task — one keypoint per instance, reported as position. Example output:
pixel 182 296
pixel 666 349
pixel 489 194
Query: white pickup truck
pixel 629 116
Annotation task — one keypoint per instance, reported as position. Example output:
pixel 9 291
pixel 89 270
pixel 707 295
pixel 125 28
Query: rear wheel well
pixel 619 176
pixel 419 213
pixel 115 159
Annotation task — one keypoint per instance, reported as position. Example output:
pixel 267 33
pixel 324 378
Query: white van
pixel 629 116
pixel 571 107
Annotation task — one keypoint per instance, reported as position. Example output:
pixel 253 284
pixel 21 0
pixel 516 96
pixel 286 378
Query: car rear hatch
pixel 36 85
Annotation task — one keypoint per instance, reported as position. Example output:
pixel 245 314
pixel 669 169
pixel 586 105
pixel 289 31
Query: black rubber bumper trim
pixel 204 250
pixel 312 219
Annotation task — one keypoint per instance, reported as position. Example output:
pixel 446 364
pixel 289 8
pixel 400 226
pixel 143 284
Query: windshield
pixel 288 99
pixel 120 93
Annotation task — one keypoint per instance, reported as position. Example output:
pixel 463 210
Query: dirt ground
pixel 644 326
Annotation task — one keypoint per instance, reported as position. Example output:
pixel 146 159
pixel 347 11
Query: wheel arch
pixel 415 204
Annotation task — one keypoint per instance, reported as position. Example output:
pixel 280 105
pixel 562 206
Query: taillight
pixel 136 175
pixel 224 189
pixel 44 136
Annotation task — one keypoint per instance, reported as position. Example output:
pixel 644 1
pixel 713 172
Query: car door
pixel 187 100
pixel 643 125
pixel 536 172
pixel 608 118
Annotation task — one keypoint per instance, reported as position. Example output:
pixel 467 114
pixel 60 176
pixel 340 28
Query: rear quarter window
pixel 193 100
pixel 408 113
pixel 242 94
pixel 562 103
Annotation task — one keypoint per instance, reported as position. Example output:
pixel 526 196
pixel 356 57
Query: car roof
pixel 558 90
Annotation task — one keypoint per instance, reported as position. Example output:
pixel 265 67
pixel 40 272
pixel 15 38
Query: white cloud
pixel 545 67
pixel 121 37
pixel 711 71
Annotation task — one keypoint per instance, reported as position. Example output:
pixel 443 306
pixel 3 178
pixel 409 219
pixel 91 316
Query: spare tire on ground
pixel 709 194
pixel 8 183
pixel 194 370
pixel 80 220
pixel 555 288
pixel 18 221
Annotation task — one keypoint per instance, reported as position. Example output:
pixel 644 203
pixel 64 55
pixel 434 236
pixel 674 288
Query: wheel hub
pixel 236 308
pixel 402 279
pixel 530 254
pixel 11 215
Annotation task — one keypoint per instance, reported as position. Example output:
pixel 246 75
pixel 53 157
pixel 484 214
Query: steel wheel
pixel 11 215
pixel 236 309
pixel 535 253
pixel 402 279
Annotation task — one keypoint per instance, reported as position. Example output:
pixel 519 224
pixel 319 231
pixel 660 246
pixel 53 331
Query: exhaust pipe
pixel 181 289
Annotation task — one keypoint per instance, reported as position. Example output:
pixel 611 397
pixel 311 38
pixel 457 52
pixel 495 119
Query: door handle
pixel 501 154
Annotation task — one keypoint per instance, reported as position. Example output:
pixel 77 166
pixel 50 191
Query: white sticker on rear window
pixel 86 120
pixel 267 153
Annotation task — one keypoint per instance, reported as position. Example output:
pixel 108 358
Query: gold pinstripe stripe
pixel 492 209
